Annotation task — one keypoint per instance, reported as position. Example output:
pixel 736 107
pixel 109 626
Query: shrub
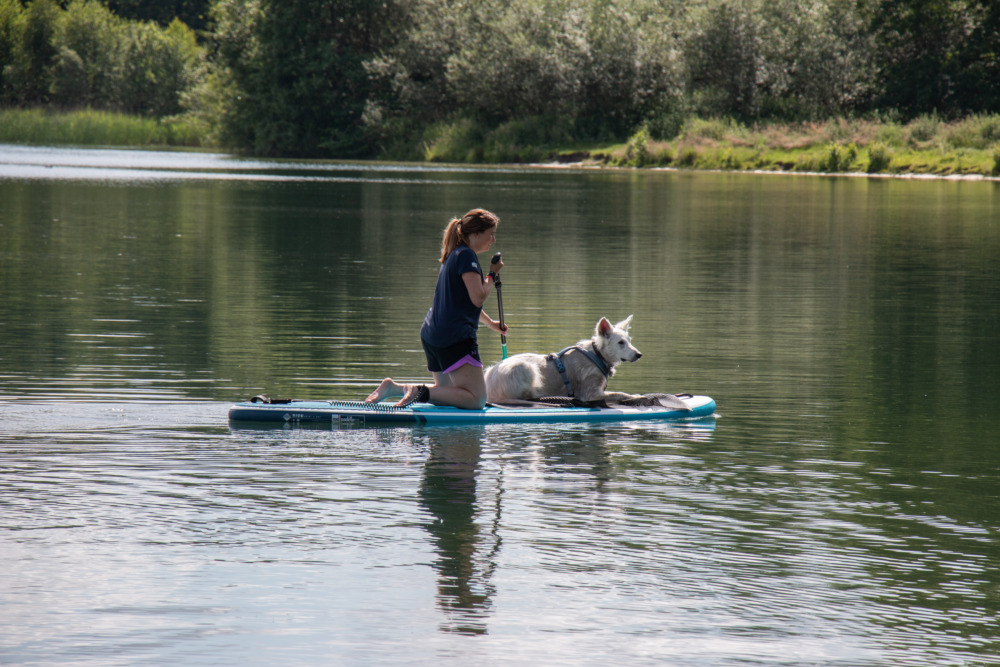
pixel 977 131
pixel 456 141
pixel 706 128
pixel 879 158
pixel 923 128
pixel 526 140
pixel 666 125
pixel 686 156
pixel 637 149
pixel 891 134
pixel 838 158
pixel 729 160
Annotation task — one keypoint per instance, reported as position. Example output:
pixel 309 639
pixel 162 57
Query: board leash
pixel 361 405
pixel 354 405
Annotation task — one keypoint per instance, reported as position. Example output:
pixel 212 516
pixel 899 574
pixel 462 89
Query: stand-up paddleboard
pixel 354 413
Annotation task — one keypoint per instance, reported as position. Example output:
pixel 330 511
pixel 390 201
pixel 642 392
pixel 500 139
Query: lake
pixel 843 509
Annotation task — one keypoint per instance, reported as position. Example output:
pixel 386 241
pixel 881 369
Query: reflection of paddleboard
pixel 353 413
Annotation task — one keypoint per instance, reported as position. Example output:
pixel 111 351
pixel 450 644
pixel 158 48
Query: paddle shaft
pixel 503 337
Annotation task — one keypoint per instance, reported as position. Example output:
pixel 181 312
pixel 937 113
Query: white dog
pixel 580 372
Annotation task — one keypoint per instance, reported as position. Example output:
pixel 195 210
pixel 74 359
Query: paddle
pixel 496 281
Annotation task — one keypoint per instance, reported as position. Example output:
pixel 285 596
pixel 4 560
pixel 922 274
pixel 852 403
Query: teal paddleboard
pixel 352 413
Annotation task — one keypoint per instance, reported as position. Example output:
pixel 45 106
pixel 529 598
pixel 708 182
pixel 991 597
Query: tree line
pixel 360 78
pixel 84 56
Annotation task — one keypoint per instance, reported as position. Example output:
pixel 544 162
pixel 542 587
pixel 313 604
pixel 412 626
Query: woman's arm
pixel 478 288
pixel 492 323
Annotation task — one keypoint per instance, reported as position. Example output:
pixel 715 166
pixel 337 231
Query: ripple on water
pixel 158 530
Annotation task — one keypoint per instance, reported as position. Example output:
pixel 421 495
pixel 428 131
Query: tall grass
pixel 95 128
pixel 925 145
pixel 980 131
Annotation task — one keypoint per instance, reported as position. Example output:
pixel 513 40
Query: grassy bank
pixel 95 128
pixel 926 145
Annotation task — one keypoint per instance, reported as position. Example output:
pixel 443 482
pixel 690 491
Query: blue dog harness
pixel 592 355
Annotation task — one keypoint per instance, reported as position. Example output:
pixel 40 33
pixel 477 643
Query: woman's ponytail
pixel 452 237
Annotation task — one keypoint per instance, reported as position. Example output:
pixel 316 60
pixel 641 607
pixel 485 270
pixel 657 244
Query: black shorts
pixel 447 359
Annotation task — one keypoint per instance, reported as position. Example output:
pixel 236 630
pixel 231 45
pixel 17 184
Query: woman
pixel 449 330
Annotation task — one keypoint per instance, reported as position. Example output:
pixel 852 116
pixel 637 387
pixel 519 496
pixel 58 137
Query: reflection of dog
pixel 580 371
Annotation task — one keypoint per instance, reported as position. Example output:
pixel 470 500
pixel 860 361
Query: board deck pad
pixel 357 413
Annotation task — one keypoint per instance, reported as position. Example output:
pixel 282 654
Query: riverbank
pixel 924 147
pixel 87 127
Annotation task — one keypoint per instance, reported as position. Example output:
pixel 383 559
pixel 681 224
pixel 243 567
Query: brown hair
pixel 460 229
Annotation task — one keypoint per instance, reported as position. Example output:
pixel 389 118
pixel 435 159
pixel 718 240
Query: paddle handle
pixel 503 337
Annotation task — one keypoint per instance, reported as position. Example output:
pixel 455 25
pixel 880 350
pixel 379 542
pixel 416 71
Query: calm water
pixel 844 508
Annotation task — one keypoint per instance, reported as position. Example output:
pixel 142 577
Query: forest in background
pixel 506 80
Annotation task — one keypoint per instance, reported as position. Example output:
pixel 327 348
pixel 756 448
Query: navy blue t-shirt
pixel 453 317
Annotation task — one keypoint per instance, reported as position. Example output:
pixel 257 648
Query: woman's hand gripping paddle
pixel 496 281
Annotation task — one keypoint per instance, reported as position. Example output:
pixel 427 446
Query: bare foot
pixel 388 388
pixel 410 395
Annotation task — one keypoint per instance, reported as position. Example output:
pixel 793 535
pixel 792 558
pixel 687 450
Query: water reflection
pixel 466 545
pixel 466 506
pixel 843 512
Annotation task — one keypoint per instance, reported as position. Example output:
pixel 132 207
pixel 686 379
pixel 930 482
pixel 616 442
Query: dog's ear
pixel 624 324
pixel 604 327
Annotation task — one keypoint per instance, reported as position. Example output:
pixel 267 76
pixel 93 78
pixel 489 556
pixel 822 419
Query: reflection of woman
pixel 448 492
pixel 449 330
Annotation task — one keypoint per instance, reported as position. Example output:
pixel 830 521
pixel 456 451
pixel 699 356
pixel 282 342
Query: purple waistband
pixel 467 359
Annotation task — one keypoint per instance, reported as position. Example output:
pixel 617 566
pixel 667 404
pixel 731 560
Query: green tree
pixel 977 72
pixel 36 48
pixel 10 27
pixel 724 56
pixel 86 57
pixel 599 65
pixel 154 67
pixel 630 69
pixel 409 77
pixel 817 59
pixel 519 58
pixel 937 55
pixel 299 69
pixel 790 59
pixel 83 73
